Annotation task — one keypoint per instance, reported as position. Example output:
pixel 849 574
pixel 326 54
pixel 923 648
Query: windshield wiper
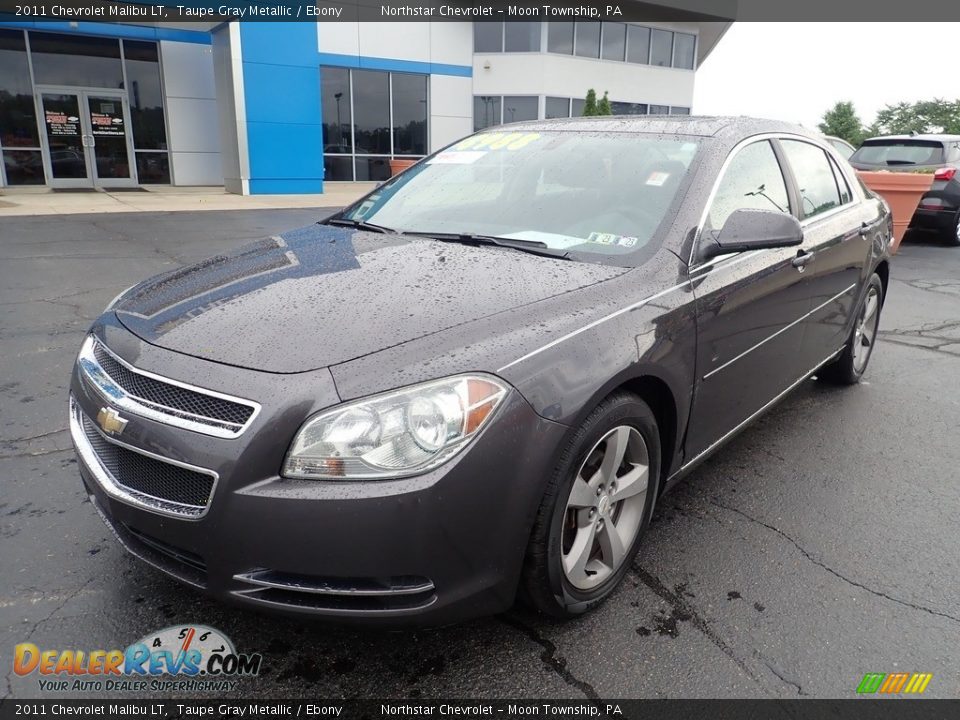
pixel 534 247
pixel 359 225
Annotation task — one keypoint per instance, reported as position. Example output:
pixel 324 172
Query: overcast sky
pixel 796 71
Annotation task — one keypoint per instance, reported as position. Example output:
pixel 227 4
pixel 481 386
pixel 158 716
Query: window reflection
pixel 683 49
pixel 588 39
pixel 560 37
pixel 638 44
pixel 358 136
pixel 76 60
pixel 18 121
pixel 371 107
pixel 488 37
pixel 486 111
pixel 753 180
pixel 23 167
pixel 521 36
pixel 557 107
pixel 661 47
pixel 517 108
pixel 146 96
pixel 409 114
pixel 153 168
pixel 490 110
pixel 335 100
pixel 614 41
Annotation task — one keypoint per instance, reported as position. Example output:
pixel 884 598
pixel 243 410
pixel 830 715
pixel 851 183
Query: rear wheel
pixel 595 510
pixel 852 363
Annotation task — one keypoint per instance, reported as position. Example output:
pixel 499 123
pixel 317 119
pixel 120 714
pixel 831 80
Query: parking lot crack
pixel 551 659
pixel 35 626
pixel 803 551
pixel 684 608
pixel 783 678
pixel 38 453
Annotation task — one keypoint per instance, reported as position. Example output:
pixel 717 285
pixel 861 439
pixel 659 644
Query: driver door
pixel 750 307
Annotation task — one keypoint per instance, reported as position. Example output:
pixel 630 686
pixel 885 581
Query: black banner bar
pixel 853 709
pixel 218 11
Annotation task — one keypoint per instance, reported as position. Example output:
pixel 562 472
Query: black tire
pixel 952 235
pixel 846 370
pixel 544 584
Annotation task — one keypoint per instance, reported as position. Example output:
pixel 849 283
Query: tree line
pixel 926 116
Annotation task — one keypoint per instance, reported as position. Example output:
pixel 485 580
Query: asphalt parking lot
pixel 819 545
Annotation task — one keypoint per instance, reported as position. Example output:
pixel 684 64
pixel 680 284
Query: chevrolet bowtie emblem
pixel 110 421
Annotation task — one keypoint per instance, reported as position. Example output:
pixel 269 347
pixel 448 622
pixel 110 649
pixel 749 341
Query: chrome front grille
pixel 138 477
pixel 162 399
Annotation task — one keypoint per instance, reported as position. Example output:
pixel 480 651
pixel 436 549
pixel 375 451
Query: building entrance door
pixel 86 139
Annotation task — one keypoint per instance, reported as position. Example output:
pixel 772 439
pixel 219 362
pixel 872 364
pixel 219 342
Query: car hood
pixel 322 295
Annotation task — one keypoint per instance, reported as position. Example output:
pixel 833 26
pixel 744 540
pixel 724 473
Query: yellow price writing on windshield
pixel 497 141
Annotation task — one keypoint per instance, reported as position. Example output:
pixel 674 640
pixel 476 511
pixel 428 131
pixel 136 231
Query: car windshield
pixel 899 152
pixel 592 196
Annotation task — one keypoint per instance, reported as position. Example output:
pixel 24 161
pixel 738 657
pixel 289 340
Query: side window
pixel 753 180
pixel 815 178
pixel 845 194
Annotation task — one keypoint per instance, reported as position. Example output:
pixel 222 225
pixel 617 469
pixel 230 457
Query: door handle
pixel 864 229
pixel 802 259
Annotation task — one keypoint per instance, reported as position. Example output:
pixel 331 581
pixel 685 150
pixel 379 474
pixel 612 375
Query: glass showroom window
pixel 145 93
pixel 623 42
pixel 638 44
pixel 684 46
pixel 661 48
pixel 496 37
pixel 625 108
pixel 614 41
pixel 19 138
pixel 556 107
pixel 370 116
pixel 490 110
pixel 83 62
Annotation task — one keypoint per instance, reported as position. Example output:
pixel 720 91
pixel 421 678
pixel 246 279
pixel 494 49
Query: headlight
pixel 397 434
pixel 117 298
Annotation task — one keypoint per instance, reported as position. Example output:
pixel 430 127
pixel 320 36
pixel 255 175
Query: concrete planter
pixel 902 191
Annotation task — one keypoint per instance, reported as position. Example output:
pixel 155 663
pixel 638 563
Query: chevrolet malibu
pixel 475 382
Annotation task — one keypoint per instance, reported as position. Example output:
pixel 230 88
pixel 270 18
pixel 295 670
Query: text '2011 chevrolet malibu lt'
pixel 475 382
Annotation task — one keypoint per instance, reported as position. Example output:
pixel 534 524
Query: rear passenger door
pixel 836 230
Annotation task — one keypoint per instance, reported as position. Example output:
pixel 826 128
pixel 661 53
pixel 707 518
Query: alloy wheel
pixel 605 507
pixel 866 331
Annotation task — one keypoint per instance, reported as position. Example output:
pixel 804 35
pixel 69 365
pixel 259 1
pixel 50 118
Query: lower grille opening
pixel 395 593
pixel 145 475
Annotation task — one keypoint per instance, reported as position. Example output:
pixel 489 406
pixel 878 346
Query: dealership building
pixel 283 107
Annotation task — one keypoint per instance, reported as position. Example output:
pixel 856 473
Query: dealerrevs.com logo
pixel 176 659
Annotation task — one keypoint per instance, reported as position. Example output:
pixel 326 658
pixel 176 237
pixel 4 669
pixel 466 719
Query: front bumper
pixel 432 549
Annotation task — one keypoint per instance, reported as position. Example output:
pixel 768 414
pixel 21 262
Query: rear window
pixel 899 152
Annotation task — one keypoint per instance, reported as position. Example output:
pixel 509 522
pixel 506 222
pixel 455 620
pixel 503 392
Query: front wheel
pixel 852 363
pixel 595 510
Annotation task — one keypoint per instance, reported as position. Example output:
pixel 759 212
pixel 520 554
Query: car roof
pixel 934 137
pixel 699 125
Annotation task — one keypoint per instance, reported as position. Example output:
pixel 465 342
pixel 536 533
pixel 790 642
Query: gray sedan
pixel 476 382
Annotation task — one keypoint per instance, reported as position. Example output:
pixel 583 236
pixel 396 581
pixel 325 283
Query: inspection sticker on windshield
pixel 612 239
pixel 457 157
pixel 657 179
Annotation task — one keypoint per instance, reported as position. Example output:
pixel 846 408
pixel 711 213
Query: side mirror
pixel 748 229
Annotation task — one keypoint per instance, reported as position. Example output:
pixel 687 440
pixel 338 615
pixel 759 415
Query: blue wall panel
pixel 282 95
